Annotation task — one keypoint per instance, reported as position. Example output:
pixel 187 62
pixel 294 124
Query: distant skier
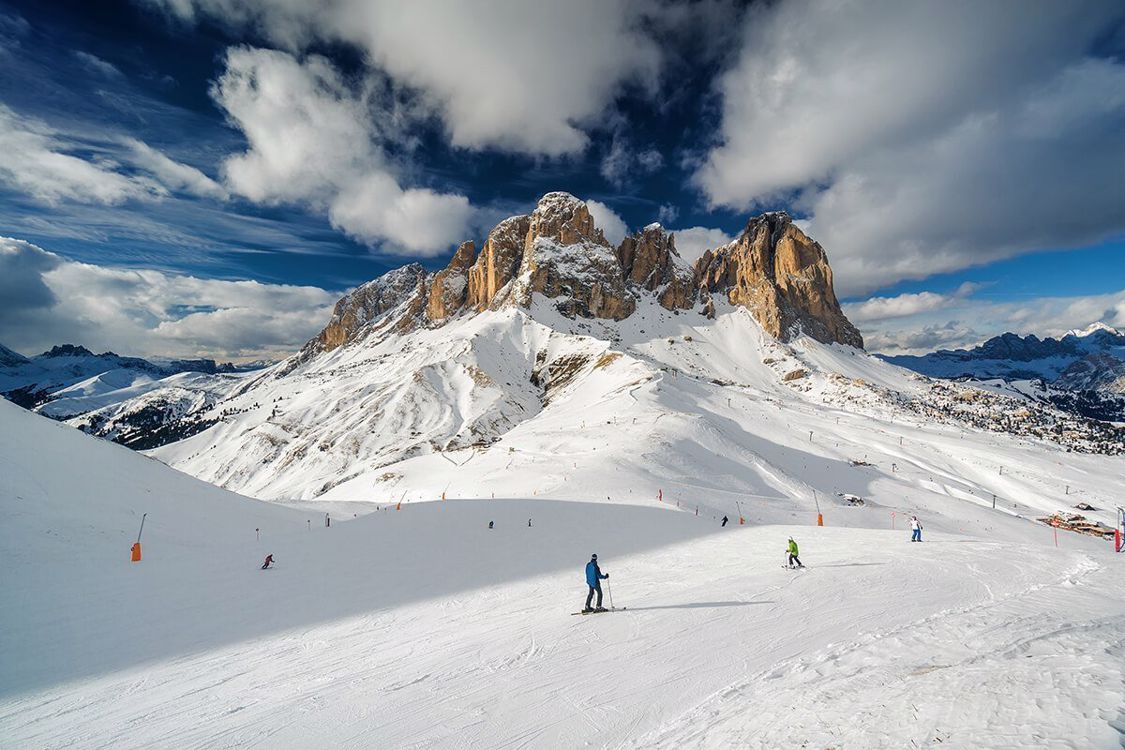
pixel 594 577
pixel 327 521
pixel 725 519
pixel 793 552
pixel 268 562
pixel 915 529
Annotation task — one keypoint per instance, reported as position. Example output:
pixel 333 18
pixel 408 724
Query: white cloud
pixel 692 242
pixel 622 163
pixel 173 174
pixel 417 219
pixel 150 313
pixel 34 161
pixel 667 214
pixel 313 139
pixel 95 64
pixel 607 220
pixel 883 308
pixel 508 74
pixel 961 322
pixel 925 137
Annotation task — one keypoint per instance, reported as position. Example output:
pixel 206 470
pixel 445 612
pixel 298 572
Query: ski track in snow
pixel 508 666
pixel 422 628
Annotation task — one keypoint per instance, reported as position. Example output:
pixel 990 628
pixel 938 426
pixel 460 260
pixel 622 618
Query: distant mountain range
pixel 70 380
pixel 1082 372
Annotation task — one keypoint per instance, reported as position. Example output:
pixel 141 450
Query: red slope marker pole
pixel 136 550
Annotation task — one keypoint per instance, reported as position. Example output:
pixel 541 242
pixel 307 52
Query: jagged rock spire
pixel 774 270
pixel 649 260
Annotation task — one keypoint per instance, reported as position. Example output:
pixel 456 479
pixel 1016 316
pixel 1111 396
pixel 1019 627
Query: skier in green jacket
pixel 793 552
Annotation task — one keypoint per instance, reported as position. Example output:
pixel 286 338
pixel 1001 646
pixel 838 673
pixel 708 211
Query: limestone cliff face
pixel 499 262
pixel 568 259
pixel 783 278
pixel 371 302
pixel 451 285
pixel 649 260
pixel 773 269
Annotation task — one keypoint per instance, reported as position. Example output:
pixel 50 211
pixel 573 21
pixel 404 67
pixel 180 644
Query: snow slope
pixel 678 406
pixel 423 628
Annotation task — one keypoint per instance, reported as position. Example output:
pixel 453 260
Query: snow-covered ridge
pixel 69 380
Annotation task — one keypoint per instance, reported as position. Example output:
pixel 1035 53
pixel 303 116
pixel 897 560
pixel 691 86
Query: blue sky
pixel 962 164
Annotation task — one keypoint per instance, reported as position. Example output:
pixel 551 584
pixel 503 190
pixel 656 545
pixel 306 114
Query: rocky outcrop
pixel 499 262
pixel 567 258
pixel 451 285
pixel 371 301
pixel 558 252
pixel 649 260
pixel 782 277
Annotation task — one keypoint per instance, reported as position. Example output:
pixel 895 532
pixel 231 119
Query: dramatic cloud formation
pixel 507 74
pixel 41 162
pixel 46 300
pixel 913 154
pixel 313 139
pixel 34 160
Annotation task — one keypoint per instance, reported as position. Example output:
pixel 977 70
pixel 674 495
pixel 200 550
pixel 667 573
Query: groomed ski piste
pixel 422 627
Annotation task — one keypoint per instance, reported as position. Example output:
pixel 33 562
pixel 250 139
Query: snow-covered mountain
pixel 593 392
pixel 448 624
pixel 551 355
pixel 1082 372
pixel 70 382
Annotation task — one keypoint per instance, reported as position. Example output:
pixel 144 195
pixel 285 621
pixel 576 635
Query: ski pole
pixel 609 590
pixel 142 527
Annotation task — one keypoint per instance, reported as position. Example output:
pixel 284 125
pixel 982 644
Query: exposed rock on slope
pixel 368 303
pixel 649 260
pixel 773 270
pixel 451 285
pixel 782 277
pixel 499 262
pixel 568 259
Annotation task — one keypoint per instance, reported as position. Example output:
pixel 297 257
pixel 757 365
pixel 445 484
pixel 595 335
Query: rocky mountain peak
pixel 558 252
pixel 783 277
pixel 567 258
pixel 649 260
pixel 370 302
pixel 70 350
pixel 564 219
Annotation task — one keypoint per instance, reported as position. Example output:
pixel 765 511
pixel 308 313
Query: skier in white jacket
pixel 915 529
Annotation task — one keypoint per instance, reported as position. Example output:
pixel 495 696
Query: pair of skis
pixel 600 611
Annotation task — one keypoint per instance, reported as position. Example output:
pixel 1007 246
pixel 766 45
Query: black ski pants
pixel 590 596
pixel 794 559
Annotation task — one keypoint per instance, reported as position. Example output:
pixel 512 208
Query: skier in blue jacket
pixel 594 576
